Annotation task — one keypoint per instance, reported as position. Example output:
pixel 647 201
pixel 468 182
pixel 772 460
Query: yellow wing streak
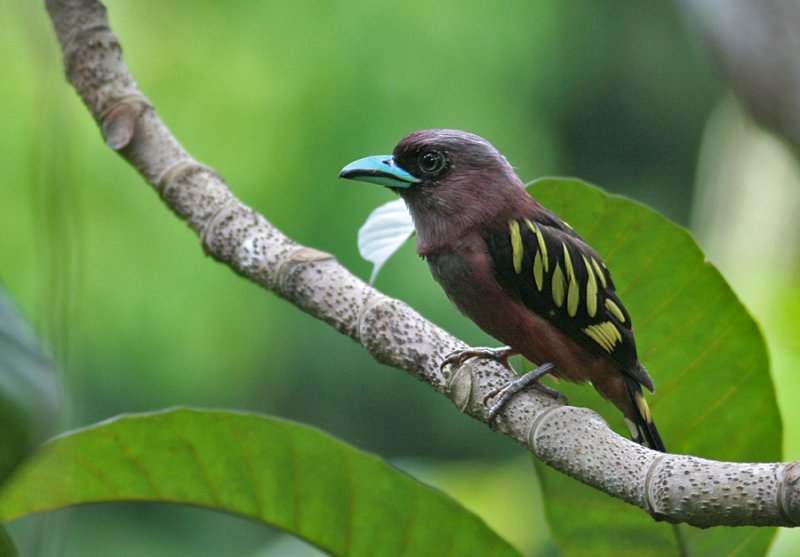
pixel 615 310
pixel 516 245
pixel 605 334
pixel 600 274
pixel 568 262
pixel 573 298
pixel 591 289
pixel 573 295
pixel 538 270
pixel 558 286
pixel 644 409
pixel 542 245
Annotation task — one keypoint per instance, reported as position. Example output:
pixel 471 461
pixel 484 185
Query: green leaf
pixel 30 390
pixel 386 229
pixel 286 475
pixel 714 395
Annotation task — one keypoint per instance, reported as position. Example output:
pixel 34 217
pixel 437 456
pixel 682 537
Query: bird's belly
pixel 469 282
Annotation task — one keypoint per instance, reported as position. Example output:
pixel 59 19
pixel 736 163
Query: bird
pixel 516 269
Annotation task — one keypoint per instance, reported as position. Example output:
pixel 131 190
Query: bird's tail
pixel 643 429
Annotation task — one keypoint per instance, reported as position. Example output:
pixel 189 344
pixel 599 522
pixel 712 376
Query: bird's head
pixel 451 180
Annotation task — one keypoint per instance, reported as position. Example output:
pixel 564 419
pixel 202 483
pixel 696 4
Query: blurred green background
pixel 278 96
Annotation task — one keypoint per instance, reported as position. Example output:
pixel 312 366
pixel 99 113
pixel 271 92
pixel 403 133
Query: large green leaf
pixel 714 393
pixel 283 474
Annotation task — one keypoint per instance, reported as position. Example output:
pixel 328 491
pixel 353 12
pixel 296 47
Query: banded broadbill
pixel 515 268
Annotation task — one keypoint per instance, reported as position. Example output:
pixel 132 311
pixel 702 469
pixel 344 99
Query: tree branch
pixel 756 45
pixel 573 440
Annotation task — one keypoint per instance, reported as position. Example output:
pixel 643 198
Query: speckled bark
pixel 574 440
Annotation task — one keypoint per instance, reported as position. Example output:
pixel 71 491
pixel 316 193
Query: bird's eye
pixel 432 162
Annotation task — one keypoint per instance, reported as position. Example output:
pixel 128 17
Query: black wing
pixel 555 273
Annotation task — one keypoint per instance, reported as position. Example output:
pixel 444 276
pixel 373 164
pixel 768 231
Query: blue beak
pixel 381 170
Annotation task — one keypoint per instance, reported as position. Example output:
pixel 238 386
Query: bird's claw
pixel 508 390
pixel 457 358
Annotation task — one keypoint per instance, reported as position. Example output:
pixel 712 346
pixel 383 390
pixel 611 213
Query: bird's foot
pixel 458 357
pixel 530 379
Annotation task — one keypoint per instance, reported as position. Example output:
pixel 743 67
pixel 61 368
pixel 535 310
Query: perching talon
pixel 458 357
pixel 530 379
